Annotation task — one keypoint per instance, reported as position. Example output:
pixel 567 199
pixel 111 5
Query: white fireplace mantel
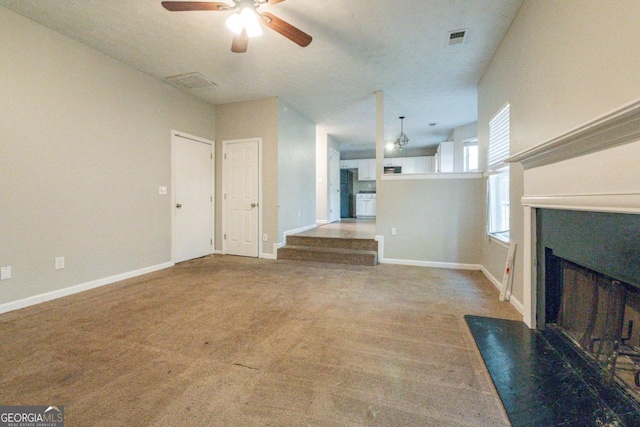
pixel 616 128
pixel 595 167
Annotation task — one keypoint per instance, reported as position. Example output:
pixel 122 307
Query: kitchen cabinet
pixel 365 205
pixel 367 170
pixel 396 161
pixel 450 157
pixel 409 165
pixel 444 157
pixel 348 164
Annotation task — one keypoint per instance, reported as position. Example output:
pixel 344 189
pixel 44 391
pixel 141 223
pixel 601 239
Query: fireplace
pixel 589 288
pixel 581 251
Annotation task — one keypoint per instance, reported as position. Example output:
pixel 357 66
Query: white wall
pixel 322 176
pixel 562 64
pixel 324 142
pixel 296 170
pixel 85 142
pixel 459 135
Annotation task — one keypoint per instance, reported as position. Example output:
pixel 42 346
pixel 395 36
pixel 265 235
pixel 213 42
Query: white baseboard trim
pixel 497 283
pixel 290 232
pixel 515 303
pixel 322 222
pixel 298 230
pixel 509 297
pixel 380 239
pixel 431 264
pixel 279 245
pixel 59 293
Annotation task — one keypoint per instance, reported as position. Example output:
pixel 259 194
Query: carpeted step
pixel 330 255
pixel 333 242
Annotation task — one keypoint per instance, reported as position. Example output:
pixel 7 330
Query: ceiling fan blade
pixel 186 6
pixel 289 31
pixel 240 42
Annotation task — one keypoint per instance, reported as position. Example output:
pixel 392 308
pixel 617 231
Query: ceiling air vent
pixel 456 37
pixel 189 81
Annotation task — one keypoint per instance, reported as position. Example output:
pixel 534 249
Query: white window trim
pixel 496 164
pixel 469 143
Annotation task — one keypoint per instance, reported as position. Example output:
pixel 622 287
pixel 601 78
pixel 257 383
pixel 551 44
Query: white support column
pixel 379 133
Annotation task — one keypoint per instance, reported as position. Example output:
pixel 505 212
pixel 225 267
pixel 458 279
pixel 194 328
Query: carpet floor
pixel 231 341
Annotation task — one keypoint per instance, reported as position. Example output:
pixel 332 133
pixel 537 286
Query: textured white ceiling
pixel 359 46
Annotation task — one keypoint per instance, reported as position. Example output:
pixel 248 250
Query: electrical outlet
pixel 162 190
pixel 265 237
pixel 59 262
pixel 5 273
pixel 393 231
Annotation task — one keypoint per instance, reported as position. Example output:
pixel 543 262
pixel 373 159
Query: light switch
pixel 5 273
pixel 393 231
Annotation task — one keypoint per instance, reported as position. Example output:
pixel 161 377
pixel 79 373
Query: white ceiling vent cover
pixel 456 37
pixel 189 81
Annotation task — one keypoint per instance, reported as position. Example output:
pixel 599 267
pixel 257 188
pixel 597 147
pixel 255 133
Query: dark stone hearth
pixel 544 381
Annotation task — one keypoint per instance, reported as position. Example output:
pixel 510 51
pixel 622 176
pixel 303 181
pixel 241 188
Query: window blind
pixel 498 139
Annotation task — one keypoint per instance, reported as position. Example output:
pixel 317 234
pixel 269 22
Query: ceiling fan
pixel 245 22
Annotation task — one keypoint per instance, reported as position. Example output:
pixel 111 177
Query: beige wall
pixel 85 142
pixel 288 163
pixel 562 64
pixel 437 220
pixel 251 119
pixel 296 170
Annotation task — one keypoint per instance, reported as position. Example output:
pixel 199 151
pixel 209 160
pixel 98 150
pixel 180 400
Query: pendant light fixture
pixel 401 139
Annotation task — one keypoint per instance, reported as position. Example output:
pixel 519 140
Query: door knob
pixel 253 205
pixel 178 205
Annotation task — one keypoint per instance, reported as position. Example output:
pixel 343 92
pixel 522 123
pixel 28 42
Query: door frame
pixel 174 138
pixel 224 188
pixel 330 217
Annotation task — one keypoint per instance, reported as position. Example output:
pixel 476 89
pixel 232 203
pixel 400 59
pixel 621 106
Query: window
pixel 498 182
pixel 471 155
pixel 499 203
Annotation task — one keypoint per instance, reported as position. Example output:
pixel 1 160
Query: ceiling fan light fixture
pixel 251 22
pixel 234 23
pixel 247 19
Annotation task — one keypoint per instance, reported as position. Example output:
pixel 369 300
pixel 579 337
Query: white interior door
pixel 334 185
pixel 192 198
pixel 241 198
